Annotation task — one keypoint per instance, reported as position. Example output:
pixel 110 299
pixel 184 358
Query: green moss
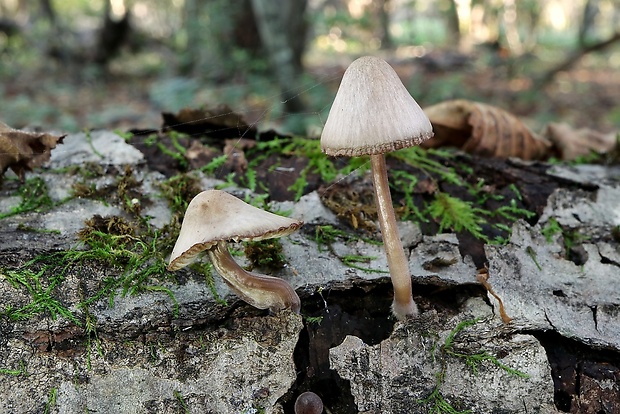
pixel 181 400
pixel 92 337
pixel 457 215
pixel 551 229
pixel 316 320
pixel 214 164
pixel 406 183
pixel 474 360
pixel 112 241
pixel 265 254
pixel 127 191
pixel 570 237
pixel 15 372
pixel 424 161
pixel 425 201
pixel 206 268
pixel 40 288
pixel 118 243
pixel 310 150
pixel 51 400
pixel 435 400
pixel 326 235
pixel 34 197
pixel 353 260
pixel 179 191
pixel 175 150
pixel 530 252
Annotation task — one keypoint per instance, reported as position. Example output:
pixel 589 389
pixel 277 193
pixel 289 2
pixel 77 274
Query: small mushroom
pixel 308 403
pixel 213 218
pixel 372 114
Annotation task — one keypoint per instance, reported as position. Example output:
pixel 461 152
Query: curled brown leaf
pixel 22 151
pixel 484 130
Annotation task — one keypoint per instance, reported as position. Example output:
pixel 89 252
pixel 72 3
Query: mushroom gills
pixel 260 291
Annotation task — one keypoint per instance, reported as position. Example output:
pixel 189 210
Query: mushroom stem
pixel 260 291
pixel 403 305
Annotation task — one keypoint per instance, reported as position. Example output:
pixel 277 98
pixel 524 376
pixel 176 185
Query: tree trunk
pixel 511 30
pixel 215 29
pixel 282 28
pixel 453 23
pixel 112 35
pixel 586 28
pixel 383 12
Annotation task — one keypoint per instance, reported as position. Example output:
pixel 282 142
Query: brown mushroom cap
pixel 308 403
pixel 373 113
pixel 214 216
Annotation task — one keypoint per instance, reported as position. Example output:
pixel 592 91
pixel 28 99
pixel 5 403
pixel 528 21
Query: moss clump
pixel 265 254
pixel 112 225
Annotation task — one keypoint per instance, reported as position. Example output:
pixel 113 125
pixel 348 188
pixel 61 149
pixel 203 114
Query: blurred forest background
pixel 117 64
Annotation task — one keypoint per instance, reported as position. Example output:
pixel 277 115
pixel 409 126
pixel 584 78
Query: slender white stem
pixel 260 291
pixel 403 305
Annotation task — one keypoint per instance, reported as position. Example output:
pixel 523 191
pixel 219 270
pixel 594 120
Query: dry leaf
pixel 22 151
pixel 483 130
pixel 571 143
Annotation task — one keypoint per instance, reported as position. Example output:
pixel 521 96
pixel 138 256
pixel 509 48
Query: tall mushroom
pixel 213 218
pixel 372 114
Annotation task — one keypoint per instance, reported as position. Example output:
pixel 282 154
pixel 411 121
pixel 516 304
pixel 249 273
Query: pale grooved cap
pixel 214 216
pixel 373 113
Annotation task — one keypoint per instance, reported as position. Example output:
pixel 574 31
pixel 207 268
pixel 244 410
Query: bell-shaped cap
pixel 214 216
pixel 373 113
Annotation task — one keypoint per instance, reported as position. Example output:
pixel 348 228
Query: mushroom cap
pixel 373 113
pixel 215 216
pixel 308 403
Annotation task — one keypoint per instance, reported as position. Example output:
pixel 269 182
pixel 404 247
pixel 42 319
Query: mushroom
pixel 372 114
pixel 215 217
pixel 308 403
